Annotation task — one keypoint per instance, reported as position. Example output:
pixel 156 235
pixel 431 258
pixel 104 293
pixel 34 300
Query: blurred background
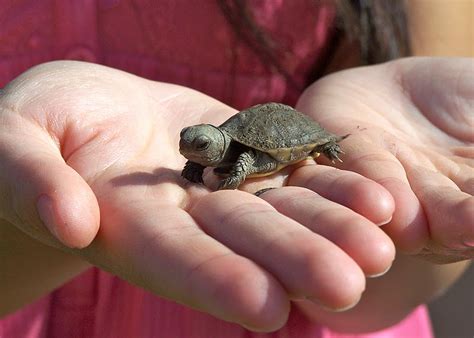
pixel 452 314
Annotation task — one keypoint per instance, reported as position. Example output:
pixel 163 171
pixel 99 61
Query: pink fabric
pixel 184 42
pixel 99 305
pixel 179 41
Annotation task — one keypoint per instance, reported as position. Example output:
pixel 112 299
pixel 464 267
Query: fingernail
pixel 468 242
pixel 330 309
pixel 385 222
pixel 44 205
pixel 379 274
pixel 262 191
pixel 249 327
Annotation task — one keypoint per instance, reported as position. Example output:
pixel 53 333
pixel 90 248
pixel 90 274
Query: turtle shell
pixel 277 129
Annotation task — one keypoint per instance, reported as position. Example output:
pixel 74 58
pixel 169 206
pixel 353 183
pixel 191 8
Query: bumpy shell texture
pixel 276 129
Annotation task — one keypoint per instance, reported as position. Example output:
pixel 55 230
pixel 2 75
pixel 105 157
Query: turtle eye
pixel 202 143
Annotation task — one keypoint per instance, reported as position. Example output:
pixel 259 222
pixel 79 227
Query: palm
pixel 412 131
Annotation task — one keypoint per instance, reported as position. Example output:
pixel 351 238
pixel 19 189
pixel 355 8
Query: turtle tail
pixel 340 138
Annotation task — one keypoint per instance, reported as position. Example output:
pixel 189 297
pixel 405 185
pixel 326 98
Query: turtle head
pixel 204 144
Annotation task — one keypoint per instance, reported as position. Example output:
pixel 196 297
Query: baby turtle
pixel 257 141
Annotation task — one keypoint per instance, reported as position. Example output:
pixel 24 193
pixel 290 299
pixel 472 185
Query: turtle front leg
pixel 242 167
pixel 193 172
pixel 247 163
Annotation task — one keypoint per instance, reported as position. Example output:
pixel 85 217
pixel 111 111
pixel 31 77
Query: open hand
pixel 412 130
pixel 83 145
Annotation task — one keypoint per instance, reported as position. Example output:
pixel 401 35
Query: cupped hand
pixel 412 130
pixel 83 145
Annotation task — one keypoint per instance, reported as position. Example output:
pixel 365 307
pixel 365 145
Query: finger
pixel 350 189
pixel 459 170
pixel 162 249
pixel 308 265
pixel 41 192
pixel 450 211
pixel 365 243
pixel 408 227
pixel 464 178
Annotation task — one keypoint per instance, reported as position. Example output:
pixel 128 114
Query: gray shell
pixel 277 129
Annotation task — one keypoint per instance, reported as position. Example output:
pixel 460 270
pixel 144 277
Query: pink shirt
pixel 184 42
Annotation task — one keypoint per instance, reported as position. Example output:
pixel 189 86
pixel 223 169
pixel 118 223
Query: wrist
pixel 31 269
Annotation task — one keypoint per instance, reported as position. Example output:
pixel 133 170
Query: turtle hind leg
pixel 247 163
pixel 331 150
pixel 192 171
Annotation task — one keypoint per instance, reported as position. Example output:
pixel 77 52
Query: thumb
pixel 43 196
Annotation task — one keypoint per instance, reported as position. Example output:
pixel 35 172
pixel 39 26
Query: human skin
pixel 119 133
pixel 411 125
pixel 413 118
pixel 83 145
pixel 432 32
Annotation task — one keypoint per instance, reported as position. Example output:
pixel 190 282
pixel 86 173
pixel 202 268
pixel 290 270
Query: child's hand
pixel 412 130
pixel 79 140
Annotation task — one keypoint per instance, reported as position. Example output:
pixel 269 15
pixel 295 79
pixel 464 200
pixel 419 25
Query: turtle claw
pixel 335 157
pixel 229 183
pixel 338 158
pixel 193 172
pixel 262 191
